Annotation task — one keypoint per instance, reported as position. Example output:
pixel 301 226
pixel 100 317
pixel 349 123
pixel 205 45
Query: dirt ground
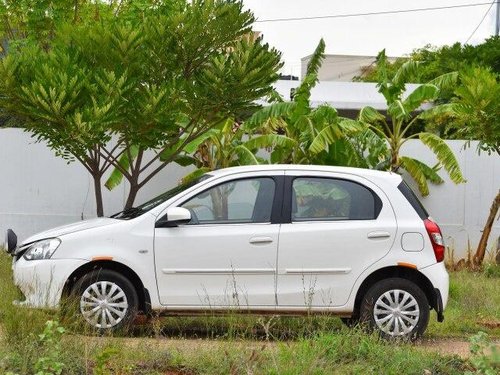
pixel 445 346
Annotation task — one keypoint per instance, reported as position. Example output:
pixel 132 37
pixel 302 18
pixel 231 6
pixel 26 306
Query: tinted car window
pixel 240 201
pixel 332 199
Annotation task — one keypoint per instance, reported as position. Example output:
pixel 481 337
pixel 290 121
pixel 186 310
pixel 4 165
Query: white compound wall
pixel 39 190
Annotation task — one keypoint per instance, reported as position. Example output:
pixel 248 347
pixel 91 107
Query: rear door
pixel 338 226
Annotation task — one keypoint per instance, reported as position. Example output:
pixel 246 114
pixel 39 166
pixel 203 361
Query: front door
pixel 226 256
pixel 339 226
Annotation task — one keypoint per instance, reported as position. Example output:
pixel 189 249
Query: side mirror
pixel 174 217
pixel 10 241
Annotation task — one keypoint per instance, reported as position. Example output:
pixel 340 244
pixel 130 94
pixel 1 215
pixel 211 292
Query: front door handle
pixel 260 240
pixel 378 234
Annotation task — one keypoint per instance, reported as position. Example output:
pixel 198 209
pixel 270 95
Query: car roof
pixel 306 168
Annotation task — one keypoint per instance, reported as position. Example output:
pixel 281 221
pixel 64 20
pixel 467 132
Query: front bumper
pixel 42 281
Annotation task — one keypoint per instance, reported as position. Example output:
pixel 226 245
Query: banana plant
pixel 226 145
pixel 399 125
pixel 321 136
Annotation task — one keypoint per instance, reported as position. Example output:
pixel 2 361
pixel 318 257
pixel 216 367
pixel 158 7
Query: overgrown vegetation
pixel 32 341
pixel 439 60
pixel 104 92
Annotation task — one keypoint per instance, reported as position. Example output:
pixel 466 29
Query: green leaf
pixel 370 115
pixel 444 155
pixel 324 138
pixel 116 176
pixel 269 140
pixel 350 127
pixel 184 160
pixel 316 59
pixel 192 146
pixel 195 174
pixel 245 156
pixel 415 171
pixel 429 172
pixel 423 93
pixel 442 110
pixel 408 72
pixel 445 81
pixel 398 110
pixel 282 109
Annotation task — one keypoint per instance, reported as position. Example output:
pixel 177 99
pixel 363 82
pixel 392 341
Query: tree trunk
pixel 132 194
pixel 481 248
pixel 98 194
pixel 394 157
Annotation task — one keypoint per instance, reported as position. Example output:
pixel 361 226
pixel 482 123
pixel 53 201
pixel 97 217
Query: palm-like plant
pixel 226 145
pixel 320 135
pixel 401 112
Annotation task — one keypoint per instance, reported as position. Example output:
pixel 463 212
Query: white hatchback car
pixel 264 239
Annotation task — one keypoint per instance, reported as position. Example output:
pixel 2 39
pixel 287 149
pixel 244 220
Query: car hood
pixel 71 228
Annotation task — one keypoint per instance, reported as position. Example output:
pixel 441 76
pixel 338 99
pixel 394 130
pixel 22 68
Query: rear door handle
pixel 260 240
pixel 378 234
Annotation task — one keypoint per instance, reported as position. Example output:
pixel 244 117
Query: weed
pixel 102 360
pixel 492 270
pixel 50 344
pixel 485 356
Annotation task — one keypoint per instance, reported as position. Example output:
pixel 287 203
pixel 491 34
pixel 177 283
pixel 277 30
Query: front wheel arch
pixel 142 292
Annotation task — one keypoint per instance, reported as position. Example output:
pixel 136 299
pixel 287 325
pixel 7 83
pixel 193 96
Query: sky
pixel 366 35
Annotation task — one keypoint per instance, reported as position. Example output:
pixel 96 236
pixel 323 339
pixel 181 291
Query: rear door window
pixel 316 198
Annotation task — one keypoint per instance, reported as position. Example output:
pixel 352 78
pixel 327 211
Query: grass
pixel 239 344
pixel 474 304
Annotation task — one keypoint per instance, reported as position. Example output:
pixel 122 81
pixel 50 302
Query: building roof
pixel 350 96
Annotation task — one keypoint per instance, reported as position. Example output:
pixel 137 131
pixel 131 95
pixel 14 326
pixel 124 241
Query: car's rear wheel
pixel 397 308
pixel 106 300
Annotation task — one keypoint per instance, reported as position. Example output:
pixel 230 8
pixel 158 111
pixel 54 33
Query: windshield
pixel 133 212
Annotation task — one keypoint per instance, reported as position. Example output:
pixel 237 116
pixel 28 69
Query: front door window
pixel 240 201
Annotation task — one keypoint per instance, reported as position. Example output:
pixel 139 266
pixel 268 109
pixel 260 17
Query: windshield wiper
pixel 127 213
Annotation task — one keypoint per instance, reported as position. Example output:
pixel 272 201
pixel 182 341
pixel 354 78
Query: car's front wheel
pixel 397 308
pixel 106 299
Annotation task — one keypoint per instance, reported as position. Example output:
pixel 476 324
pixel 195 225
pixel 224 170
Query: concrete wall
pixel 341 68
pixel 39 191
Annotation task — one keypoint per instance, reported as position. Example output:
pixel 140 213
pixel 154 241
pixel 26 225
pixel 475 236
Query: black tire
pixel 411 323
pixel 128 301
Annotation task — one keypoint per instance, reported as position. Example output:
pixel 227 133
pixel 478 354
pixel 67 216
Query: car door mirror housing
pixel 174 217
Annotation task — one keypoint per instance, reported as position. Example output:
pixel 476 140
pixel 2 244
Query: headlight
pixel 42 249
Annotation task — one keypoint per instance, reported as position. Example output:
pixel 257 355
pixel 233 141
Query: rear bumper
pixel 440 280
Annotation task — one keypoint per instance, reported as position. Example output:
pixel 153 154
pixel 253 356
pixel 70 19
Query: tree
pixel 437 61
pixel 475 110
pixel 320 136
pixel 402 116
pixel 106 92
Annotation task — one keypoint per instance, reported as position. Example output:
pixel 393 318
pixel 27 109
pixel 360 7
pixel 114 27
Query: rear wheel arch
pixel 127 272
pixel 407 273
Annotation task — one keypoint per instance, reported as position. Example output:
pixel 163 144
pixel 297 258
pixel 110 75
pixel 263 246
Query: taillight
pixel 436 239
